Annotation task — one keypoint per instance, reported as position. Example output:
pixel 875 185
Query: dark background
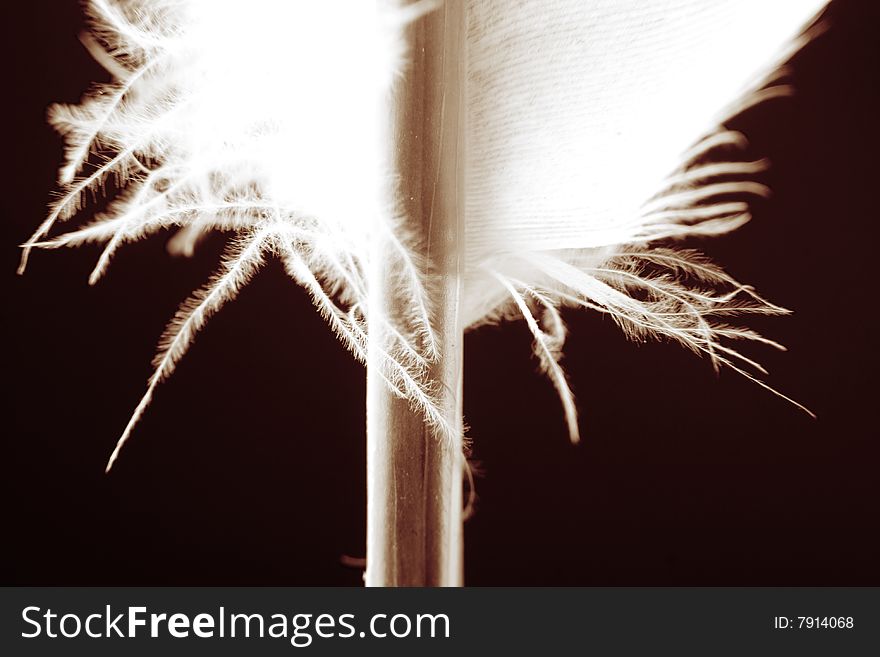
pixel 249 467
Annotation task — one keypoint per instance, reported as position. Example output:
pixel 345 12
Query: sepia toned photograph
pixel 441 293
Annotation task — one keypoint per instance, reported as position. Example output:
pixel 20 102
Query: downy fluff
pixel 593 145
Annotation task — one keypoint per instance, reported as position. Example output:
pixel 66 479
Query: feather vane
pixel 592 146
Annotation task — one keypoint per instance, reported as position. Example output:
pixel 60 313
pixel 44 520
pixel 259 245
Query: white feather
pixel 262 118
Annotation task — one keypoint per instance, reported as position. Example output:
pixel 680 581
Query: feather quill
pixel 595 140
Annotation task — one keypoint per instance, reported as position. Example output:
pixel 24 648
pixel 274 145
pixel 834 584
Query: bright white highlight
pixel 262 118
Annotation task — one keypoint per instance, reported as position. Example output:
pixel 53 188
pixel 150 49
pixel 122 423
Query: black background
pixel 249 467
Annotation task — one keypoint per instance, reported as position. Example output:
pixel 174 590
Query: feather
pixel 595 137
